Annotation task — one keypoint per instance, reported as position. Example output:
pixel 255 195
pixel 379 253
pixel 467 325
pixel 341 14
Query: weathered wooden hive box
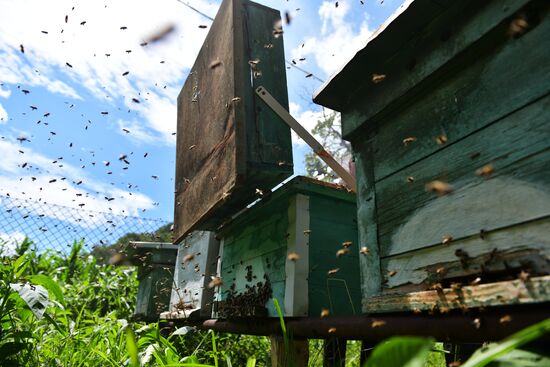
pixel 155 262
pixel 195 265
pixel 447 110
pixel 284 248
pixel 229 142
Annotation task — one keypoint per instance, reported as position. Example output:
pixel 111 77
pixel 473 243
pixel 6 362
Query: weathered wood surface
pixel 296 355
pixel 369 262
pixel 440 30
pixel 228 145
pixel 479 87
pixel 505 250
pixel 534 290
pixel 517 146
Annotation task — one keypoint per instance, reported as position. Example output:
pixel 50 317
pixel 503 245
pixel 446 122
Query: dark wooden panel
pixel 517 147
pixel 480 87
pixel 227 145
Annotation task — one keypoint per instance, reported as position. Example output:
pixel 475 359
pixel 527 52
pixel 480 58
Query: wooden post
pixel 296 356
pixel 334 352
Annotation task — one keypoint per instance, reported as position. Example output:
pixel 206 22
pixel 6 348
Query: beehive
pixel 195 265
pixel 155 262
pixel 284 246
pixel 229 142
pixel 446 108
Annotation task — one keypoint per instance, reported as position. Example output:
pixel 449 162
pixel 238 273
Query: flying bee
pixel 346 244
pixel 324 312
pixel 409 140
pixel 486 170
pixel 342 252
pixel 364 250
pixel 377 78
pixel 333 271
pixel 446 240
pixel 293 256
pixel 377 323
pixel 439 188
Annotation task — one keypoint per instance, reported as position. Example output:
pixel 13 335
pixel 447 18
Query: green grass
pixel 87 323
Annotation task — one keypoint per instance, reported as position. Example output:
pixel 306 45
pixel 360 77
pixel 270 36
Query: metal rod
pixel 308 138
pixel 455 326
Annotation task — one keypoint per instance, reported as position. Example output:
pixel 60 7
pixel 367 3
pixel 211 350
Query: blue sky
pixel 69 153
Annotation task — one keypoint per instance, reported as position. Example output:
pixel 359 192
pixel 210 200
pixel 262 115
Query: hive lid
pixel 386 41
pixel 229 142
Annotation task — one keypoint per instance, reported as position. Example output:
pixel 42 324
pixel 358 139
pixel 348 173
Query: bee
pixel 410 179
pixel 125 73
pixel 332 330
pixel 477 323
pixel 486 170
pixel 307 232
pixel 333 271
pixel 202 26
pixel 214 64
pixel 441 139
pixel 439 187
pixel 391 273
pixel 293 256
pixel 188 258
pixel 446 240
pixel 364 250
pixel 235 99
pixel 377 323
pixel 259 192
pixel 342 252
pixel 215 282
pixel 377 78
pixel 504 319
pixel 346 244
pixel 192 147
pixel 409 140
pixel 324 312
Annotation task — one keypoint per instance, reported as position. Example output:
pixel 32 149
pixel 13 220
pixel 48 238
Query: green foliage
pixel 89 305
pixel 405 351
pixel 105 252
pixel 327 131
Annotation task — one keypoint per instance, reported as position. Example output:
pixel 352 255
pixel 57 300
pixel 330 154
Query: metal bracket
pixel 308 138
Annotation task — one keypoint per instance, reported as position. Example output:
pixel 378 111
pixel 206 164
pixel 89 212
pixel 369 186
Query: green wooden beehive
pixel 155 262
pixel 447 110
pixel 307 218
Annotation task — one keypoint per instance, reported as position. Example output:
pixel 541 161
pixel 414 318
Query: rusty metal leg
pixel 297 354
pixel 334 352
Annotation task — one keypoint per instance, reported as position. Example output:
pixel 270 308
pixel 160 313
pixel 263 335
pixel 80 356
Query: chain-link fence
pixel 56 227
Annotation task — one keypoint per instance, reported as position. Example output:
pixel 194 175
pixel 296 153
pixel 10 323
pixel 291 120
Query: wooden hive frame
pixel 229 142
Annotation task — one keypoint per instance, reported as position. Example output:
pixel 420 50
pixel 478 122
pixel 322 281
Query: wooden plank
pixel 296 302
pixel 226 148
pixel 517 146
pixel 468 95
pixel 369 263
pixel 458 28
pixel 534 290
pixel 505 250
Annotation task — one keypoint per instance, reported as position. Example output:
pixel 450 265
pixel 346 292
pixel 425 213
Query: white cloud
pixel 3 115
pixel 307 118
pixel 338 41
pixel 4 93
pixel 9 242
pixel 85 48
pixel 41 180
